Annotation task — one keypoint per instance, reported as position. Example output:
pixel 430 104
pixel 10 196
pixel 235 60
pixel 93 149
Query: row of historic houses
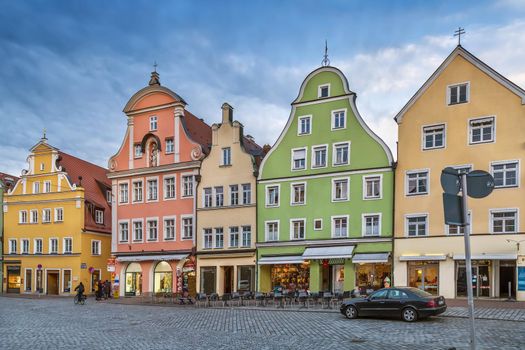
pixel 186 207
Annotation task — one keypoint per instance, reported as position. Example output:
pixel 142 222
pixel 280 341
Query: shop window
pixel 424 275
pixel 28 280
pixel 67 281
pixel 291 276
pixel 370 277
pixel 163 280
pixel 133 280
pixel 208 280
pixel 245 278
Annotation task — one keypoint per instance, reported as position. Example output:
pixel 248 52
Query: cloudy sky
pixel 70 66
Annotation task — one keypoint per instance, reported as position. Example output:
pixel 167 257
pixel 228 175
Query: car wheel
pixel 350 312
pixel 409 314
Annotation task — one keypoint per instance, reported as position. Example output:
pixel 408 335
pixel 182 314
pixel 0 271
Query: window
pixel 187 228
pixel 505 174
pixel 123 193
pixel 12 246
pixel 458 93
pixel 152 189
pixel 246 236
pixel 434 136
pixel 99 217
pixel 170 148
pixel 234 195
pixel 340 226
pixel 108 196
pixel 138 151
pixel 272 196
pixel 323 90
pixel 53 246
pixel 67 281
pixel 319 157
pixel 46 215
pixel 42 166
pixel 297 228
pixel 219 237
pixel 34 216
pixel 340 189
pixel 36 187
pixel 341 154
pixel 153 123
pixel 318 224
pixel 455 230
pixel 208 238
pixel 304 127
pixel 59 214
pixel 272 231
pixel 47 186
pixel 417 183
pixel 25 246
pixel 137 231
pixel 372 225
pixel 504 221
pixel 208 197
pixel 298 194
pixel 234 236
pixel 416 225
pixel 124 231
pixel 372 187
pixel 187 186
pixel 246 194
pixel 137 191
pixel 299 159
pixel 219 196
pixel 38 246
pixel 22 217
pixel 152 230
pixel 68 245
pixel 226 156
pixel 169 229
pixel 482 130
pixel 338 120
pixel 169 187
pixel 95 247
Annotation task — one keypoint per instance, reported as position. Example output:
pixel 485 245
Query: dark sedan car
pixel 405 302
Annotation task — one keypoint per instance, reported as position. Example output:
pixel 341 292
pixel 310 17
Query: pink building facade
pixel 153 178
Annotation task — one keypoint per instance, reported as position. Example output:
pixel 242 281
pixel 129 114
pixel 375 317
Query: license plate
pixel 441 302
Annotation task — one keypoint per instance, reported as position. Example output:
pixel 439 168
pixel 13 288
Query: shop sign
pixel 521 278
pixel 83 265
pixel 111 268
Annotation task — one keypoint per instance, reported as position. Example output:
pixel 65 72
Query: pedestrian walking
pixel 107 289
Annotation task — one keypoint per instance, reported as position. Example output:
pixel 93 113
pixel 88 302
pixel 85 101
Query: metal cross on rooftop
pixel 460 31
pixel 155 66
pixel 325 61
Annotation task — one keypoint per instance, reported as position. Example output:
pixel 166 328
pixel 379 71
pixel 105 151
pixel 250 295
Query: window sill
pixel 225 166
pixel 471 143
pixel 457 103
pixel 169 239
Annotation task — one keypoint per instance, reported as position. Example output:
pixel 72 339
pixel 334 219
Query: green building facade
pixel 325 196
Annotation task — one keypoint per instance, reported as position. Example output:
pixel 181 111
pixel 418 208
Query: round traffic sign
pixel 450 180
pixel 479 184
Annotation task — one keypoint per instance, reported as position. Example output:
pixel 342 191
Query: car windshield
pixel 420 293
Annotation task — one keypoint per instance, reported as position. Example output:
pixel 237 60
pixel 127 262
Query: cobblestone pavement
pixel 58 324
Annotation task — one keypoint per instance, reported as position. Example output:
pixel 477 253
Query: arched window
pixel 133 279
pixel 163 281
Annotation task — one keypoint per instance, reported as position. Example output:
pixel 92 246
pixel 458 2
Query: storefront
pixel 424 275
pixel 291 276
pixel 163 278
pixel 246 278
pixel 186 277
pixel 13 278
pixel 372 271
pixel 133 280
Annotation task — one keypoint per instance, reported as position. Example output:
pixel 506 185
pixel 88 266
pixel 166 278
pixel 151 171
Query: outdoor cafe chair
pixel 200 299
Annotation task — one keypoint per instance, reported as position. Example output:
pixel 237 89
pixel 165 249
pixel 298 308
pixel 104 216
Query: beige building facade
pixel 226 210
pixel 465 116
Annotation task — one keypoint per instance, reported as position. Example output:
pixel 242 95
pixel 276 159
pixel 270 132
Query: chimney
pixel 227 113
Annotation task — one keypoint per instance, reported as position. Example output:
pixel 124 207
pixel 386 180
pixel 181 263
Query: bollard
pixel 510 290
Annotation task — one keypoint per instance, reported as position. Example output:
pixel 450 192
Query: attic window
pixel 458 93
pixel 153 123
pixel 99 216
pixel 42 166
pixel 323 90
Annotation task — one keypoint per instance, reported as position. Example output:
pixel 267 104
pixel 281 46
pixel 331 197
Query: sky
pixel 70 66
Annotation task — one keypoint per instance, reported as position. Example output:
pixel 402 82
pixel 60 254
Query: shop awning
pixel 275 260
pixel 344 252
pixel 433 257
pixel 370 258
pixel 152 257
pixel 503 256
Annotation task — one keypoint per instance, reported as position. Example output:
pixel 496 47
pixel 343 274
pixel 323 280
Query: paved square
pixel 58 324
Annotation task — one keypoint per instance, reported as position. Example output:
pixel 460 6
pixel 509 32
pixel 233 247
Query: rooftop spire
pixel 459 32
pixel 325 62
pixel 155 79
pixel 44 138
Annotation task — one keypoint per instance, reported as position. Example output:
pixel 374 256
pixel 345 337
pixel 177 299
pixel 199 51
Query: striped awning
pixel 370 258
pixel 430 257
pixel 284 259
pixel 341 252
pixel 138 258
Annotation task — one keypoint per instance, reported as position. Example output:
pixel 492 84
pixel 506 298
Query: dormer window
pixel 458 93
pixel 323 91
pixel 138 151
pixel 99 216
pixel 153 123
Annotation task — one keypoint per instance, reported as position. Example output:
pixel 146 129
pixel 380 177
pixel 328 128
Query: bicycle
pixel 82 300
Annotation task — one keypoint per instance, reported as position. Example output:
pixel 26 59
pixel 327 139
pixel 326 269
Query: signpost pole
pixel 468 261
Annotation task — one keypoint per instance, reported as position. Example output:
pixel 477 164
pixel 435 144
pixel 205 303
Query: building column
pixel 349 282
pixel 315 276
pixel 400 273
pixel 446 278
pixel 235 278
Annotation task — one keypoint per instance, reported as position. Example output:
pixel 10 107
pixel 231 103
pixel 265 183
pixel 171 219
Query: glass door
pixel 480 281
pixel 483 281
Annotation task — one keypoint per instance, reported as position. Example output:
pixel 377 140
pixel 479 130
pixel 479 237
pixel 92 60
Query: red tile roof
pixel 95 183
pixel 6 177
pixel 198 130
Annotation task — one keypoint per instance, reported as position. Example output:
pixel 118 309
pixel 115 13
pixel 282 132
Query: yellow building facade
pixel 465 116
pixel 226 210
pixel 57 225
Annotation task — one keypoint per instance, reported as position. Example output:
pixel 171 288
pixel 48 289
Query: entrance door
pixel 326 278
pixel 507 273
pixel 483 281
pixel 480 281
pixel 95 277
pixel 52 282
pixel 228 279
pixel 13 279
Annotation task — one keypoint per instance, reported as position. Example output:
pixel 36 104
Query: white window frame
pixel 267 233
pixel 332 113
pixel 120 200
pixel 156 221
pixel 242 233
pixel 99 216
pixel 267 196
pixel 334 153
pixel 319 89
pixel 417 171
pixel 31 221
pixel 293 150
pixel 133 240
pixel 215 235
pixel 98 251
pixel 130 229
pixel 165 188
pixel 226 156
pixel 427 222
pixel 243 192
pixel 313 160
pixel 137 147
pixel 153 123
pixel 164 228
pixel 36 187
pixel 46 215
pixel 447 227
pixel 231 192
pixel 11 250
pixel 363 224
pixel 332 221
pixel 21 217
pixel 35 246
pixel 148 192
pixel 292 193
pixel 64 245
pixel 167 141
pixel 57 217
pixel 22 251
pixel 207 233
pixel 133 199
pixel 292 229
pixel 433 127
pixel 504 210
pixel 51 239
pixel 367 177
pixel 230 233
pixel 215 199
pixel 182 218
pixel 470 142
pixel 207 197
pixel 182 183
pixel 505 162
pixel 28 283
pixel 47 187
pixel 334 199
pixel 320 228
pixel 448 94
pixel 299 125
